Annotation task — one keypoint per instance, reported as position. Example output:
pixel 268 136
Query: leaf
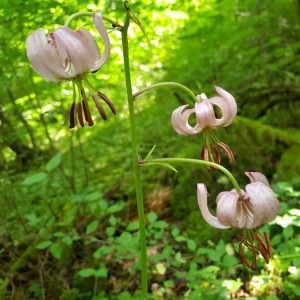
pixel 56 251
pixel 92 227
pixel 191 244
pixel 152 217
pixel 54 162
pixel 44 245
pixel 88 272
pixel 160 164
pixel 150 153
pixel 125 238
pixel 133 226
pixel 102 272
pixel 35 178
pixel 160 224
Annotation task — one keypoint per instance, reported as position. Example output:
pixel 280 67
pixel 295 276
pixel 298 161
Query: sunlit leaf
pixel 92 227
pixel 44 245
pixel 88 272
pixel 54 162
pixel 38 177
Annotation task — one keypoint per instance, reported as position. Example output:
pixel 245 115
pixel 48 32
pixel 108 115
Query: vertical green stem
pixel 136 168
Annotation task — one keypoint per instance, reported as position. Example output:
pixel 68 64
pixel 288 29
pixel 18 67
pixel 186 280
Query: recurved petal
pixel 257 177
pixel 76 50
pixel 43 57
pixel 264 204
pixel 180 121
pixel 230 211
pixel 205 114
pixel 98 21
pixel 202 202
pixel 227 105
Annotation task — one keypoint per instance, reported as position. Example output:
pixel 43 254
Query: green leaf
pixel 133 226
pixel 54 162
pixel 191 244
pixel 166 165
pixel 125 238
pixel 150 153
pixel 116 207
pixel 92 227
pixel 56 251
pixel 35 178
pixel 160 224
pixel 102 272
pixel 152 217
pixel 44 245
pixel 175 231
pixel 88 272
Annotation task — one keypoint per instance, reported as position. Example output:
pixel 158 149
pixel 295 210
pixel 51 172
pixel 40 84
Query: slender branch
pixel 196 162
pixel 166 84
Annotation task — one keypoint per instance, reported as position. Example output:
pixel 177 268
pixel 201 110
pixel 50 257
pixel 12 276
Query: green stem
pixel 166 84
pixel 136 168
pixel 196 162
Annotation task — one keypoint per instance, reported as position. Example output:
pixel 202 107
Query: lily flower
pixel 248 209
pixel 66 54
pixel 206 120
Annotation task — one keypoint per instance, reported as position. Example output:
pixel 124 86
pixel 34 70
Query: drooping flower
pixel 206 120
pixel 248 209
pixel 66 54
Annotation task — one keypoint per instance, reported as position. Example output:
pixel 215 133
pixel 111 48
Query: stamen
pixel 228 152
pixel 72 115
pixel 218 156
pixel 108 102
pixel 87 113
pixel 79 113
pixel 99 107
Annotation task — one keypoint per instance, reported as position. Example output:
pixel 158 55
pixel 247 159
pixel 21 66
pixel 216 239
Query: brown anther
pixel 79 113
pixel 264 249
pixel 108 102
pixel 72 115
pixel 228 152
pixel 99 107
pixel 87 113
pixel 253 251
pixel 218 155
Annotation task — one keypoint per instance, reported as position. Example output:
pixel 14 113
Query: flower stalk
pixel 196 162
pixel 165 84
pixel 136 168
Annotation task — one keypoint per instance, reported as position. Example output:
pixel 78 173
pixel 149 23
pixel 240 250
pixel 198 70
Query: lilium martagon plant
pixel 66 54
pixel 206 120
pixel 247 210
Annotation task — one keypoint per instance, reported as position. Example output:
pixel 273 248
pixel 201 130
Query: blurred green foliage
pixel 69 224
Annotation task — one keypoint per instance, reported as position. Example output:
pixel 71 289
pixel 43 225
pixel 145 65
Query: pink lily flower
pixel 255 206
pixel 206 120
pixel 69 55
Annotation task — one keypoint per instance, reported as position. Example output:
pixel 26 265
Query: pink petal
pixel 227 105
pixel 265 206
pixel 76 50
pixel 257 177
pixel 230 211
pixel 202 202
pixel 43 57
pixel 205 114
pixel 98 21
pixel 179 120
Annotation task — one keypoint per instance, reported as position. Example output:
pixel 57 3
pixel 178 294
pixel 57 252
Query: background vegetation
pixel 69 223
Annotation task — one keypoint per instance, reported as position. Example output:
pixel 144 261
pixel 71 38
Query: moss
pixel 289 165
